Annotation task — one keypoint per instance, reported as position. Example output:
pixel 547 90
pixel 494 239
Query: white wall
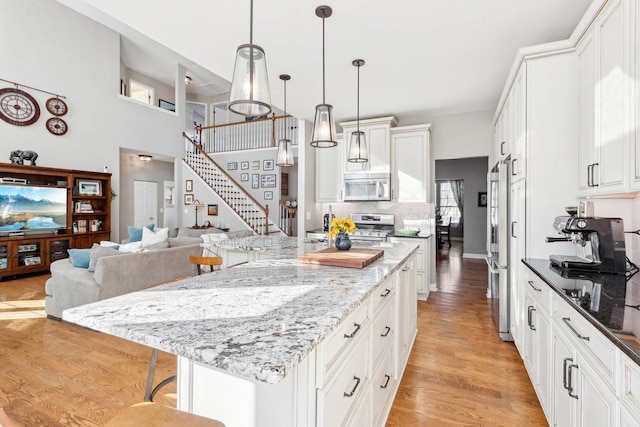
pixel 81 62
pixel 462 135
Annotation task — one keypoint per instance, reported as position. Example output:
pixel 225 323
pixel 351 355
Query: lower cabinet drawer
pixel 383 331
pixel 382 384
pixel 333 349
pixel 361 417
pixel 344 389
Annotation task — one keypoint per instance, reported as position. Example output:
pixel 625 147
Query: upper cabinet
pixel 329 178
pixel 378 136
pixel 413 165
pixel 605 82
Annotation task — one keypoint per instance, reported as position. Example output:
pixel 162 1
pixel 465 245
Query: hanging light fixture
pixel 145 157
pixel 324 127
pixel 250 85
pixel 285 154
pixel 358 146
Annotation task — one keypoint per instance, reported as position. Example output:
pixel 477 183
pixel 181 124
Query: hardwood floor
pixel 459 374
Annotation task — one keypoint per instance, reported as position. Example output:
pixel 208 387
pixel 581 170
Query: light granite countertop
pixel 258 320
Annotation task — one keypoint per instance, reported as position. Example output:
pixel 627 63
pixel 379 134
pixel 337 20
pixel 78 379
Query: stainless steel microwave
pixel 368 187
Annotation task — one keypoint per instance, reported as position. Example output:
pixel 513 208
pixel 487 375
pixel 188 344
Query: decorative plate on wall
pixel 57 126
pixel 56 106
pixel 18 108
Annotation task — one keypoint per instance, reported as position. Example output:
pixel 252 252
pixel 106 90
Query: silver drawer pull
pixel 354 387
pixel 534 288
pixel 386 383
pixel 388 329
pixel 386 292
pixel 566 320
pixel 352 334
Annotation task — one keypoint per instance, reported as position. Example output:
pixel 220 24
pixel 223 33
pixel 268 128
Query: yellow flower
pixel 344 225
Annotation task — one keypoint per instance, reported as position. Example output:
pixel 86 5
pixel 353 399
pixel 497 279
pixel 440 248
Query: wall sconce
pixel 145 157
pixel 187 80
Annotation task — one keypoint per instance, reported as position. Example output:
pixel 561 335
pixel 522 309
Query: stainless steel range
pixel 372 227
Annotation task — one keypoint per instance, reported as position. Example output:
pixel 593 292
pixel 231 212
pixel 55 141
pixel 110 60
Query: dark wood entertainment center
pixel 88 217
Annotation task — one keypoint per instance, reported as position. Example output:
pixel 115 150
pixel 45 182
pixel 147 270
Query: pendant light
pixel 358 145
pixel 250 85
pixel 324 127
pixel 285 155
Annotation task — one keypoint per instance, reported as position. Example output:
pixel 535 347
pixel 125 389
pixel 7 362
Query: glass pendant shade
pixel 250 95
pixel 358 148
pixel 285 154
pixel 324 127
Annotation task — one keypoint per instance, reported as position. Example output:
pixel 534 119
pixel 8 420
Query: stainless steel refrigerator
pixel 498 246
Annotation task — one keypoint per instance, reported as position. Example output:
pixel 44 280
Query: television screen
pixel 31 208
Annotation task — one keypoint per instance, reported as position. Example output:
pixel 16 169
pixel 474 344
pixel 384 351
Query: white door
pixel 145 203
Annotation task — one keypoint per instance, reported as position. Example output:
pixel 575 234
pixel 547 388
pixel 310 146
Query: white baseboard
pixel 474 256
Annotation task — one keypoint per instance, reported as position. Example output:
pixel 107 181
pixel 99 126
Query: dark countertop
pixel 617 312
pixel 419 236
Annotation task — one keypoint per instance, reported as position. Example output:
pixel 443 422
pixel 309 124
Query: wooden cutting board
pixel 353 258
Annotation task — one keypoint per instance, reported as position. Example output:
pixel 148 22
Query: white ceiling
pixel 424 58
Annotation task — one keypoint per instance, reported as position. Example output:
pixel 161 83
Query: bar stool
pixel 154 414
pixel 214 262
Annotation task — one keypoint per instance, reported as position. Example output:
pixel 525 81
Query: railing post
pixel 266 220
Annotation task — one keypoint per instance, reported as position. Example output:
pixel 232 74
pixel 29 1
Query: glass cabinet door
pixel 4 256
pixel 29 254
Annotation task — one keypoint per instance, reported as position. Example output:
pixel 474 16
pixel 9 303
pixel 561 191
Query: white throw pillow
pixel 131 247
pixel 150 238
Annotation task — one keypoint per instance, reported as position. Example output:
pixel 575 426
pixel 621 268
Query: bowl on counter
pixel 408 232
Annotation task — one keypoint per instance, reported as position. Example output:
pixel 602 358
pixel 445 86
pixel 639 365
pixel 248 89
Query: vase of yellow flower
pixel 340 229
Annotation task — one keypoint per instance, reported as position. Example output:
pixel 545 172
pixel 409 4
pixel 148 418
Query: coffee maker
pixel 602 242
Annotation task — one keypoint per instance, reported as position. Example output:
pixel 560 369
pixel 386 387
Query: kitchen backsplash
pixel 629 211
pixel 402 211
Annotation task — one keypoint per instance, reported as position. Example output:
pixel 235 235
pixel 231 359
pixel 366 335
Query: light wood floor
pixel 459 374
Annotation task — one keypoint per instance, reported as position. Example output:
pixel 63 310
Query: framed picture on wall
pixel 284 184
pixel 268 195
pixel 267 165
pixel 89 188
pixel 188 186
pixel 244 165
pixel 255 180
pixel 188 199
pixel 212 210
pixel 255 165
pixel 268 181
pixel 232 166
pixel 482 199
pixel 244 177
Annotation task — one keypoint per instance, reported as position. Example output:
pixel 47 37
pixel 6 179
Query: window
pixel 446 202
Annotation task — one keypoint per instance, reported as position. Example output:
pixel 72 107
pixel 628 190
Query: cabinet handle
pixel 566 320
pixel 501 147
pixel 352 334
pixel 530 311
pixel 530 282
pixel 354 387
pixel 589 169
pixel 513 223
pixel 513 167
pixel 570 389
pixel 386 383
pixel 406 268
pixel 565 384
pixel 386 292
pixel 388 329
pixel 593 179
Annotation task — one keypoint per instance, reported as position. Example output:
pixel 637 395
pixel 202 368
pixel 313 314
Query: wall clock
pixel 18 108
pixel 56 106
pixel 57 126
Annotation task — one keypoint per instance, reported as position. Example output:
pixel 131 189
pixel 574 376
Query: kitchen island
pixel 277 341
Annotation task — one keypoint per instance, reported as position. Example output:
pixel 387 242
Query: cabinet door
pixel 543 358
pixel 378 144
pixel 518 150
pixel 407 313
pixel 329 173
pixel 4 257
pixel 517 252
pixel 596 403
pixel 411 165
pixel 563 412
pixel 586 58
pixel 613 98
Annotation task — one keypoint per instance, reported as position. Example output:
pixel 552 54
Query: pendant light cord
pixel 285 109
pixel 358 103
pixel 323 67
pixel 251 23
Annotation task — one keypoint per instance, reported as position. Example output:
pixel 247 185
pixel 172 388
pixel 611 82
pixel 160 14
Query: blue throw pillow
pixel 80 257
pixel 135 233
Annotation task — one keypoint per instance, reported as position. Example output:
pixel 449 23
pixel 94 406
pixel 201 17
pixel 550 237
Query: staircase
pixel 233 194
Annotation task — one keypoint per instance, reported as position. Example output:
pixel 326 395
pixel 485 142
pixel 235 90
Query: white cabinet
pixel 407 313
pixel 329 178
pixel 516 253
pixel 518 126
pixel 604 102
pixel 378 136
pixel 423 262
pixel 412 164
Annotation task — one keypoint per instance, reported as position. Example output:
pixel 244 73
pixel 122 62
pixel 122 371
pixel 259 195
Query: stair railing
pixel 227 188
pixel 247 135
pixel 287 213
